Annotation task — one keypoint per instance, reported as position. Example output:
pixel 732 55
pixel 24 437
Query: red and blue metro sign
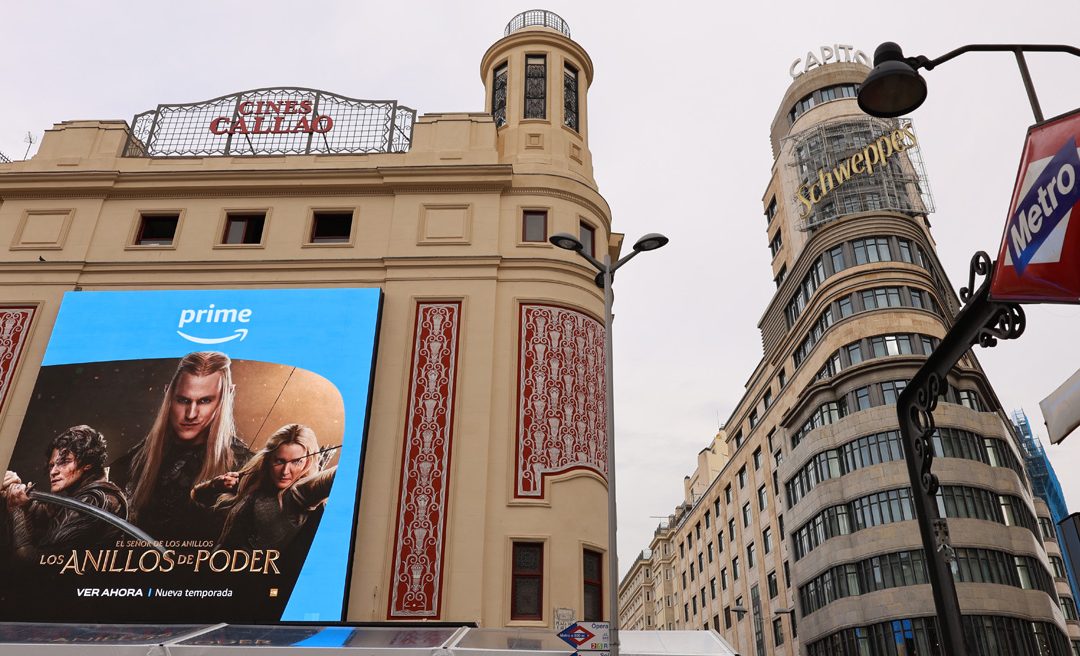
pixel 1039 259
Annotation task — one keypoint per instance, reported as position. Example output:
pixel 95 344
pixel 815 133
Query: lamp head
pixel 567 241
pixel 894 87
pixel 650 242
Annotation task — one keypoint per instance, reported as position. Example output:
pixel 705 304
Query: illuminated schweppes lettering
pixel 876 153
pixel 215 315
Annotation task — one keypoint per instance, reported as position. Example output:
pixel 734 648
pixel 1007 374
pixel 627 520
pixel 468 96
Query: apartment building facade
pixel 805 541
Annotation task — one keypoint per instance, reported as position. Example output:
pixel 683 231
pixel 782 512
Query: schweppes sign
pixel 863 162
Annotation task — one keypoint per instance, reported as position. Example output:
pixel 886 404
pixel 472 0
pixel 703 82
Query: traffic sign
pixel 588 636
pixel 1039 257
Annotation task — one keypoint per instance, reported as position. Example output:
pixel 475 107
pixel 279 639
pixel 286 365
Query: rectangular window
pixel 770 211
pixel 157 229
pixel 782 378
pixel 587 234
pixel 757 458
pixel 751 556
pixel 766 540
pixel 243 228
pixel 778 632
pixel 534 225
pixel 727 494
pixel 535 86
pixel 742 477
pixel 570 97
pixel 762 498
pixel 779 279
pixel 527 581
pixel 753 417
pixel 774 587
pixel 498 96
pixel 710 550
pixel 712 588
pixel 767 400
pixel 776 243
pixel 746 514
pixel 836 256
pixel 593 579
pixel 735 568
pixel 331 227
pixel 854 352
pixel 723 579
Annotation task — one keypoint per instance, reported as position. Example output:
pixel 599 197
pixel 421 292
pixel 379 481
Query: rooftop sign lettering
pixel 861 162
pixel 272 121
pixel 834 54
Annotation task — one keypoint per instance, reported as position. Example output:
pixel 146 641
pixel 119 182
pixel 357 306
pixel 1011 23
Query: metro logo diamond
pixel 1039 258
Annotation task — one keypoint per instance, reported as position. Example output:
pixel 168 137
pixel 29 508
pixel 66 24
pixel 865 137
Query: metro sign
pixel 1039 258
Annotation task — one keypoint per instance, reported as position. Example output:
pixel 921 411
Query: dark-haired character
pixel 193 438
pixel 76 469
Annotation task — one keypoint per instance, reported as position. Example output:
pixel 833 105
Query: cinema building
pixel 483 493
pixel 797 531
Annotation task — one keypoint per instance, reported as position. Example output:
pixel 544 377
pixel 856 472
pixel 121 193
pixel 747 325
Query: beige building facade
pixel 453 227
pixel 801 538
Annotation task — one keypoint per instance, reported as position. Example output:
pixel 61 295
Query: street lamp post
pixel 606 273
pixel 893 88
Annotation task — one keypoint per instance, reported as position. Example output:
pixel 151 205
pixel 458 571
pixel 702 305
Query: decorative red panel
pixel 562 404
pixel 14 327
pixel 416 587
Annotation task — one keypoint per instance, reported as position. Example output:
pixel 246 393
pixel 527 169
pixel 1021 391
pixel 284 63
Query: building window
pixel 570 97
pixel 735 568
pixel 157 229
pixel 770 211
pixel 727 618
pixel 767 400
pixel 779 279
pixel 534 225
pixel 774 587
pixel 766 540
pixel 783 378
pixel 1058 566
pixel 535 86
pixel 244 228
pixel 757 458
pixel 746 514
pixel 727 494
pixel 778 632
pixel 498 96
pixel 331 227
pixel 776 243
pixel 751 556
pixel 891 390
pixel 592 569
pixel 587 234
pixel 762 497
pixel 742 477
pixel 731 530
pixel 527 581
pixel 723 579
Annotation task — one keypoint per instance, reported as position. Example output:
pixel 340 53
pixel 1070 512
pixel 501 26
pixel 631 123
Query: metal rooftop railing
pixel 537 17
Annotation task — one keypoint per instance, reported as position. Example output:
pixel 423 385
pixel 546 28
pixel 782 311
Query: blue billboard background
pixel 330 332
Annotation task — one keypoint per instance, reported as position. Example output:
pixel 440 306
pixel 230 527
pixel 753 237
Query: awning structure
pixel 239 640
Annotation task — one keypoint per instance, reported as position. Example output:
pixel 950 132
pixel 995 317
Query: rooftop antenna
pixel 29 142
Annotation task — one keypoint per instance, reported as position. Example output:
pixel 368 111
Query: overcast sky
pixel 680 109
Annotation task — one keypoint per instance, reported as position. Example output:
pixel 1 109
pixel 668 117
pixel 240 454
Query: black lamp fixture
pixel 894 87
pixel 650 242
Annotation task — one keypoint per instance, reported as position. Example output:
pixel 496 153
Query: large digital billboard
pixel 191 456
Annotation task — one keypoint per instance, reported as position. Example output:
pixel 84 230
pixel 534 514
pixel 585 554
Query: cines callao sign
pixel 876 153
